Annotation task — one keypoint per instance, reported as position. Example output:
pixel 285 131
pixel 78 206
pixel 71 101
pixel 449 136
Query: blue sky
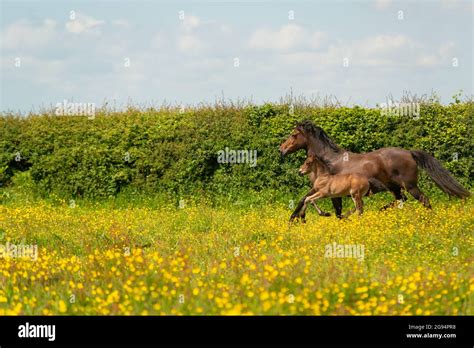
pixel 190 56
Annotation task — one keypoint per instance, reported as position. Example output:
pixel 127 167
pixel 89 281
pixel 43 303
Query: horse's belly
pixel 339 187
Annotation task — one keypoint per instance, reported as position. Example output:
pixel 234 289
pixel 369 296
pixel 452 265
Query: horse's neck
pixel 323 151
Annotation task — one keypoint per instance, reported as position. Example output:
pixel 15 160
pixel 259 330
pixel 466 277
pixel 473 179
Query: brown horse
pixel 394 168
pixel 334 186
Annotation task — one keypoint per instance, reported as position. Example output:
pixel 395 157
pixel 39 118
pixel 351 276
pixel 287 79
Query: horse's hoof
pixel 326 214
pixel 296 218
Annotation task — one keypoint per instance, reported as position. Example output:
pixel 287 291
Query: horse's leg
pixel 349 212
pixel 308 199
pixel 397 193
pixel 297 212
pixel 312 199
pixel 418 195
pixel 320 212
pixel 337 204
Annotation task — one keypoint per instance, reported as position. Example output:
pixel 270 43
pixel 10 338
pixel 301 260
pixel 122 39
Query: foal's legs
pixel 358 203
pixel 297 212
pixel 349 213
pixel 311 199
pixel 301 213
pixel 320 211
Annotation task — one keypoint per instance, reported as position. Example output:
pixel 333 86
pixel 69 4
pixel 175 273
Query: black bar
pixel 241 330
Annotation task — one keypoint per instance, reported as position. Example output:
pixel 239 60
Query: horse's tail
pixel 440 175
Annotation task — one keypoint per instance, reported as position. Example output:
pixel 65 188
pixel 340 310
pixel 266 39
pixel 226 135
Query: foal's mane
pixel 323 162
pixel 309 128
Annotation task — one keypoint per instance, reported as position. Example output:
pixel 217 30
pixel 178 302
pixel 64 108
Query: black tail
pixel 440 175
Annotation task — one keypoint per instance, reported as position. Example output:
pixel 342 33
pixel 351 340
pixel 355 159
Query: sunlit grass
pixel 205 260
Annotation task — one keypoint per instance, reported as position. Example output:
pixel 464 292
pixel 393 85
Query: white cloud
pixel 287 37
pixel 451 3
pixel 121 23
pixel 427 60
pixel 458 5
pixel 382 4
pixel 388 51
pixel 196 36
pixel 190 44
pixel 190 22
pixel 443 55
pixel 23 34
pixel 83 23
pixel 40 71
pixel 383 44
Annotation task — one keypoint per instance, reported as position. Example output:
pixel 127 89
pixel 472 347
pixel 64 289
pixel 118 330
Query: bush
pixel 168 151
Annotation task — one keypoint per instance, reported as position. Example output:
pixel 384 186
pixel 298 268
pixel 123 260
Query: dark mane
pixel 308 127
pixel 327 164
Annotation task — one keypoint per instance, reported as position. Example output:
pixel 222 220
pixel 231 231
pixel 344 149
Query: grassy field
pixel 202 260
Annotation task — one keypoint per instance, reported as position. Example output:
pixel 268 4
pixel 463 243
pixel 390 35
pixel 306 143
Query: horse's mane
pixel 327 164
pixel 308 127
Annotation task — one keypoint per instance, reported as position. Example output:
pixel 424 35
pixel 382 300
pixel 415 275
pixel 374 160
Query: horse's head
pixel 297 140
pixel 308 165
pixel 310 137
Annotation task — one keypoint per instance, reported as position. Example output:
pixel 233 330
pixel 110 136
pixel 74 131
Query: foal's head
pixel 314 164
pixel 309 165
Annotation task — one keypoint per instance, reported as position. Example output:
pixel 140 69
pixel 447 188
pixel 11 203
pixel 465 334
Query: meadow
pixel 132 213
pixel 202 260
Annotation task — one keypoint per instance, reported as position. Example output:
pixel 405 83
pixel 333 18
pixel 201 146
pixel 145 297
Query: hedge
pixel 174 151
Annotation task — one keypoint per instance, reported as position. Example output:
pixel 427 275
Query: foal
pixel 327 185
pixel 313 175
